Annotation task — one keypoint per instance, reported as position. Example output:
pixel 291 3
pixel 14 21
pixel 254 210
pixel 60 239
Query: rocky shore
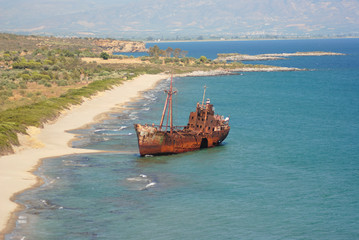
pixel 245 57
pixel 270 56
pixel 238 71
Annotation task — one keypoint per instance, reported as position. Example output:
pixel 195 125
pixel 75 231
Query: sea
pixel 289 168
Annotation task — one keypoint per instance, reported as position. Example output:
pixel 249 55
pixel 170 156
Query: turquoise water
pixel 289 168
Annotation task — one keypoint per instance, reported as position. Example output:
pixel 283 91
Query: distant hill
pixel 159 18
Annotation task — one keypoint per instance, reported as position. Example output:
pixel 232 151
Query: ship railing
pixel 175 128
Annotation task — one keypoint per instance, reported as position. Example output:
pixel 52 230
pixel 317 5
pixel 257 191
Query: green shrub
pixel 27 64
pixel 55 68
pixel 104 73
pixel 203 59
pixel 8 136
pixel 25 76
pixel 104 55
pixel 61 83
pixel 38 76
pixel 6 57
pixel 168 60
pixel 48 62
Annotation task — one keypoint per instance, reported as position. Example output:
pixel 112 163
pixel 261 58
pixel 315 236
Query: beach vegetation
pixel 104 55
pixel 16 120
pixel 203 59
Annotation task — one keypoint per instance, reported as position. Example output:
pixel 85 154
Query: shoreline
pixel 238 71
pixel 16 170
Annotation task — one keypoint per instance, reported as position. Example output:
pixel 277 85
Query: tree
pixel 162 53
pixel 154 51
pixel 176 52
pixel 105 55
pixel 169 52
pixel 203 59
pixel 183 53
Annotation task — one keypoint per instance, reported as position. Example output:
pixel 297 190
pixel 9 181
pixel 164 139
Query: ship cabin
pixel 204 120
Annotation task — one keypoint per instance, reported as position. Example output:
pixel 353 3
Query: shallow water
pixel 288 170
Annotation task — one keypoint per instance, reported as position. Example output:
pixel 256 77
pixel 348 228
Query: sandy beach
pixel 53 140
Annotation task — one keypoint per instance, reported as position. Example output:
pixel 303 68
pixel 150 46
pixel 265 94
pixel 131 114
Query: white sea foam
pixel 141 182
pixel 73 164
pixel 22 221
pixel 141 178
pixel 152 184
pixel 104 131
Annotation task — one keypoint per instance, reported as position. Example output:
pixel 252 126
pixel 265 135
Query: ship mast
pixel 170 93
pixel 204 94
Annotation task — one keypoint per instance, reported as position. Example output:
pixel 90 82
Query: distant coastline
pixel 248 39
pixel 270 56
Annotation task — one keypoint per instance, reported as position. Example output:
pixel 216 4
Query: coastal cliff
pixel 111 46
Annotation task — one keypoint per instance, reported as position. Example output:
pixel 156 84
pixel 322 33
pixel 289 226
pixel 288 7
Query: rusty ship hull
pixel 152 141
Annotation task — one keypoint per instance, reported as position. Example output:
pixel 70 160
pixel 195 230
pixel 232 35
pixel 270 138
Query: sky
pixel 180 18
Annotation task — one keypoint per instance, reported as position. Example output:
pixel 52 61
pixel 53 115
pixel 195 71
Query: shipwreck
pixel 205 129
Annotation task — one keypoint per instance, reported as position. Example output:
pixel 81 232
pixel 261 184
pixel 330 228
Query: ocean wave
pixel 104 131
pixel 22 219
pixel 70 163
pixel 149 96
pixel 141 182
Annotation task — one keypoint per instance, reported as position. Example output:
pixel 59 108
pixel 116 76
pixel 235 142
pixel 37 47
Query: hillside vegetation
pixel 37 81
pixel 12 42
